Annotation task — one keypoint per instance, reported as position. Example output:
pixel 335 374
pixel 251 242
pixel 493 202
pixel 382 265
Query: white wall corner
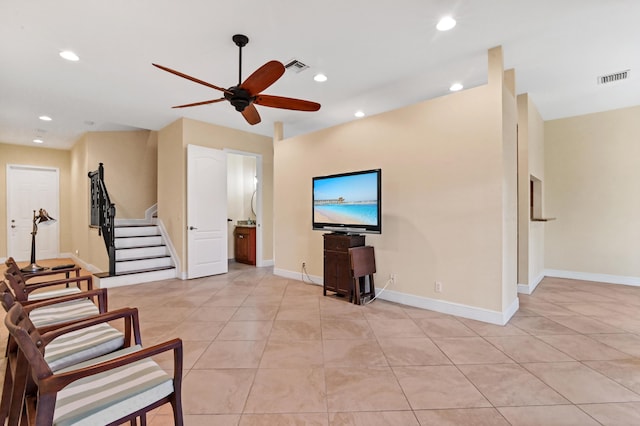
pixel 530 288
pixel 150 212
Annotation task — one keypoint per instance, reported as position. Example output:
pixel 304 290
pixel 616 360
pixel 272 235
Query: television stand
pixel 337 265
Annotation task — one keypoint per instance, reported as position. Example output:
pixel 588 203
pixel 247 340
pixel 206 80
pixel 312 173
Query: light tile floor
pixel 265 350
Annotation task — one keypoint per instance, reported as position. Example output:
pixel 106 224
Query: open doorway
pixel 244 176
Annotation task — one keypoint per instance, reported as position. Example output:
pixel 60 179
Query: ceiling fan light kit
pixel 245 95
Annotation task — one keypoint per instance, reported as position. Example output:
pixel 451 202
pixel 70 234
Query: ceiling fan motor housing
pixel 238 97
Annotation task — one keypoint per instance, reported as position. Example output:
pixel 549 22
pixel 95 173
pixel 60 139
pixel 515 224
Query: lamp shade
pixel 43 216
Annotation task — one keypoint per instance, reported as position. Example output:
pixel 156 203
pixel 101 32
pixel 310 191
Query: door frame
pixel 258 157
pixel 10 169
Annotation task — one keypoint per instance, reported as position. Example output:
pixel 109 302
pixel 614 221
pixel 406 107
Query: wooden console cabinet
pixel 337 267
pixel 245 244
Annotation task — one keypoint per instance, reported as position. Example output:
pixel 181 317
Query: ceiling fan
pixel 247 94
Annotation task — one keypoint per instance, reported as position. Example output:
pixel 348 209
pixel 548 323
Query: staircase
pixel 141 255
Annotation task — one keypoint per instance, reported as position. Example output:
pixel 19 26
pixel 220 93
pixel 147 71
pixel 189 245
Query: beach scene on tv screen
pixel 351 200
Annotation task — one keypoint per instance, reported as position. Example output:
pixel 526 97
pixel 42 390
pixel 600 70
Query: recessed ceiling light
pixel 455 87
pixel 320 78
pixel 359 114
pixel 45 118
pixel 69 55
pixel 446 23
pixel 38 141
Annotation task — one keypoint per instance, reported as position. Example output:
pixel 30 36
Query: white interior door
pixel 206 211
pixel 32 188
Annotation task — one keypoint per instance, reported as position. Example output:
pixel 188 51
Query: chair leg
pixel 7 387
pixel 17 393
pixel 176 405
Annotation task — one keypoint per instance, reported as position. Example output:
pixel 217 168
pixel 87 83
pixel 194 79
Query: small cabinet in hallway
pixel 245 244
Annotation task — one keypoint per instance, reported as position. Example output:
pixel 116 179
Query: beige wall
pixel 172 142
pixel 130 168
pixel 592 173
pixel 172 185
pixel 443 188
pixel 530 162
pixel 41 157
pixel 79 188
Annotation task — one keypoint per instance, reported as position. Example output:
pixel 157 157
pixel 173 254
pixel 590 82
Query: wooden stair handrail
pixel 103 214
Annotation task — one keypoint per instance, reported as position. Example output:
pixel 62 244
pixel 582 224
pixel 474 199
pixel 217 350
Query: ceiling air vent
pixel 296 66
pixel 616 76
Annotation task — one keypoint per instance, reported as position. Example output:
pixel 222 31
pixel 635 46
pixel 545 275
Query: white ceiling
pixel 378 56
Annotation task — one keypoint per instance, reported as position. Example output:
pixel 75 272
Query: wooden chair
pixel 130 382
pixel 363 264
pixel 24 291
pixel 48 315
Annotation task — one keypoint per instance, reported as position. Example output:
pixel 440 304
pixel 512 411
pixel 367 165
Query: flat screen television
pixel 349 203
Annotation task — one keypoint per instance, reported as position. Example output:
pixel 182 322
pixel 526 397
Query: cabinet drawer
pixel 342 242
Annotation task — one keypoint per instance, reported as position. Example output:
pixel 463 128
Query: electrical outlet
pixel 438 287
pixel 392 277
pixel 304 265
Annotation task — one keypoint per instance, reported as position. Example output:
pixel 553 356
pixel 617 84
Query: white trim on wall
pixel 298 276
pixel 451 308
pixel 530 288
pixel 588 276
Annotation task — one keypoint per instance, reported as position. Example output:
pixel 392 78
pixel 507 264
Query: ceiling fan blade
pixel 188 77
pixel 263 77
pixel 213 101
pixel 250 114
pixel 286 103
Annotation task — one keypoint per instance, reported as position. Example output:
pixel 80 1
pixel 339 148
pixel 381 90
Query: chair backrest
pixel 6 297
pixel 16 281
pixel 10 262
pixel 28 339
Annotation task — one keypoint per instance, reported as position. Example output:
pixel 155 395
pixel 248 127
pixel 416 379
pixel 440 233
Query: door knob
pixel 191 228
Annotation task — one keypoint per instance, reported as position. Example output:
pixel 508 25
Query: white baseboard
pixel 588 276
pixel 87 266
pixel 530 288
pixel 298 276
pixel 451 308
pixel 169 244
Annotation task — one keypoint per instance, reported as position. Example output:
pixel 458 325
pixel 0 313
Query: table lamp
pixel 41 217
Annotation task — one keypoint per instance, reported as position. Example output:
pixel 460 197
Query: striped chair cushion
pixel 38 295
pixel 63 312
pixel 106 397
pixel 82 345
